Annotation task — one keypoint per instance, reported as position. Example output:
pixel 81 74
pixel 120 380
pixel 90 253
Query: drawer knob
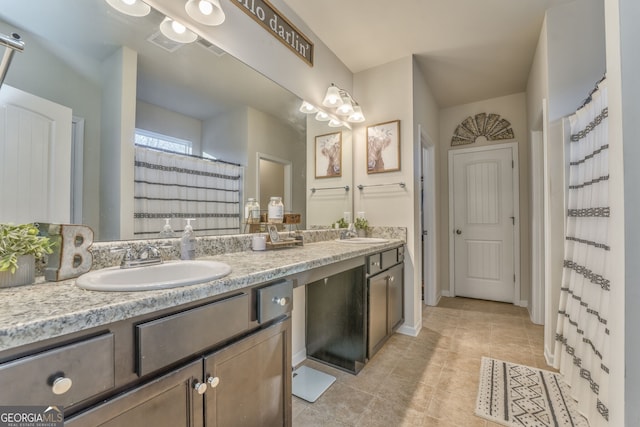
pixel 281 300
pixel 61 385
pixel 201 388
pixel 213 381
pixel 376 264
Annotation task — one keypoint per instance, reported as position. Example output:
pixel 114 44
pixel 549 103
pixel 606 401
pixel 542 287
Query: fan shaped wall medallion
pixel 490 126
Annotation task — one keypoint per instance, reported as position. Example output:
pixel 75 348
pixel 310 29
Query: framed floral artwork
pixel 383 147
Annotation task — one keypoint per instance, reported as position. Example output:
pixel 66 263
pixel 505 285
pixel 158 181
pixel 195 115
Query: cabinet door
pixel 377 312
pixel 395 294
pixel 251 380
pixel 169 401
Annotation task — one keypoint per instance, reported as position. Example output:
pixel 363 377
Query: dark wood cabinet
pixel 385 292
pixel 252 379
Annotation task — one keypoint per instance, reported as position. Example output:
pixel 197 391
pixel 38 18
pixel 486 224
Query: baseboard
pixel 299 357
pixel 445 294
pixel 524 303
pixel 548 357
pixel 412 331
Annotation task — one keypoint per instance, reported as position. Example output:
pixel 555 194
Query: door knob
pixel 213 381
pixel 458 231
pixel 61 385
pixel 201 388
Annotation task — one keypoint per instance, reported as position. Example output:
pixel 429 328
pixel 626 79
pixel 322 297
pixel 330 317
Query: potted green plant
pixel 362 226
pixel 20 245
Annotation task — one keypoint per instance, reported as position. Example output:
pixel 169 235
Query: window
pixel 163 142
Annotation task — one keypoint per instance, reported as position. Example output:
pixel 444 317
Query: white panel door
pixel 35 158
pixel 484 225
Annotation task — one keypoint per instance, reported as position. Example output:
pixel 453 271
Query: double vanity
pixel 212 353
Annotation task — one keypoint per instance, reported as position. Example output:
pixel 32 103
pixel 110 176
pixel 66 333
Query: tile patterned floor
pixel 432 379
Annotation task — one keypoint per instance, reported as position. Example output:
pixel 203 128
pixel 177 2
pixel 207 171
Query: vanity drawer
pixel 274 300
pixel 389 258
pixel 63 376
pixel 164 341
pixel 374 264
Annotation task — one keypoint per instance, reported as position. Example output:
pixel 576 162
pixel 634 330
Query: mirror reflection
pixel 117 79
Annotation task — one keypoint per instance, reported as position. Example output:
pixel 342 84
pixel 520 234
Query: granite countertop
pixel 47 310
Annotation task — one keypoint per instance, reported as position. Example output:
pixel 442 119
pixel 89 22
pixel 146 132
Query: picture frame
pixel 383 147
pixel 328 155
pixel 273 233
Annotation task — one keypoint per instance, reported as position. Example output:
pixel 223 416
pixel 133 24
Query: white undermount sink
pixel 170 274
pixel 362 240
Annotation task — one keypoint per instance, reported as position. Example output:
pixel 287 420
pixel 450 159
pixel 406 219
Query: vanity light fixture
pixel 332 98
pixel 322 116
pixel 335 123
pixel 338 102
pixel 357 116
pixel 207 12
pixel 176 31
pixel 130 7
pixel 308 108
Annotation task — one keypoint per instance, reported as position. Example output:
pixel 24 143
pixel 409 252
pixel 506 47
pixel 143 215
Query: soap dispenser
pixel 188 242
pixel 167 231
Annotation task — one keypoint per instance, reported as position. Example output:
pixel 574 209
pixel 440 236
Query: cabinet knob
pixel 61 385
pixel 280 300
pixel 213 382
pixel 201 388
pixel 376 264
pixel 458 231
pixel 390 279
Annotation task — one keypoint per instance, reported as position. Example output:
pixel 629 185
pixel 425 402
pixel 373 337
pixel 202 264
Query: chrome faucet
pixel 148 255
pixel 349 232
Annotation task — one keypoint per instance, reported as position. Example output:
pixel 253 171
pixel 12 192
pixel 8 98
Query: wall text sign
pixel 272 20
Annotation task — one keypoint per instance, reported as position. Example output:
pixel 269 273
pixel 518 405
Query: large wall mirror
pixel 188 92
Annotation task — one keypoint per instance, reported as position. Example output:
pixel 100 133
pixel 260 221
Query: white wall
pixel 270 136
pixel 387 91
pixel 324 207
pixel 513 109
pixel 623 68
pixel 157 119
pixel 569 60
pixel 576 46
pixel 226 136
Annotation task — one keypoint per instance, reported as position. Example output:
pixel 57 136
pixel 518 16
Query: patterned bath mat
pixel 518 395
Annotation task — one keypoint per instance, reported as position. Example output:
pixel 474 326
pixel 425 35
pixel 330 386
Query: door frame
pixel 515 174
pixel 288 176
pixel 428 222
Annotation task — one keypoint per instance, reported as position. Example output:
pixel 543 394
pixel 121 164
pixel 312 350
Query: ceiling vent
pixel 164 42
pixel 211 47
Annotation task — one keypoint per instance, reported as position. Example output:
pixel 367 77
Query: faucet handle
pixel 148 252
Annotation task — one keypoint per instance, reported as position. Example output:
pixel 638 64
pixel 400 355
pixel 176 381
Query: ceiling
pixel 468 50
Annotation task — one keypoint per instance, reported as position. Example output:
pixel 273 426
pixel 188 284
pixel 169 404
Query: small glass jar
pixel 252 211
pixel 276 210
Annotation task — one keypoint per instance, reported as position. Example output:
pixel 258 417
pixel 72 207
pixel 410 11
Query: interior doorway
pixel 273 179
pixel 428 219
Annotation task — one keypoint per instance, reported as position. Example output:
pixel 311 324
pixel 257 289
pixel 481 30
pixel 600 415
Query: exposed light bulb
pixel 207 12
pixel 130 7
pixel 322 116
pixel 178 27
pixel 176 31
pixel 205 7
pixel 335 123
pixel 332 98
pixel 308 108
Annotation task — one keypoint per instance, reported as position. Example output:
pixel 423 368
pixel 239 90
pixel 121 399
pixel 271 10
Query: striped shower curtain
pixel 176 186
pixel 582 337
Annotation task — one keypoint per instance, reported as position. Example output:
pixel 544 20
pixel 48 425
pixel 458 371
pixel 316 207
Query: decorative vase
pixel 24 275
pixel 362 232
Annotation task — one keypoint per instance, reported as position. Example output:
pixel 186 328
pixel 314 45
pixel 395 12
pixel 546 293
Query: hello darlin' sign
pixel 272 20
